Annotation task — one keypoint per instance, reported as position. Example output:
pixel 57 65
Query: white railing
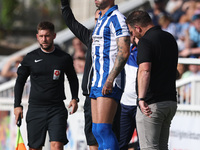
pixel 188 90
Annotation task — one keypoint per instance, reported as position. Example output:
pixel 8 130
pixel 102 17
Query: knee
pixel 56 145
pixel 94 129
pixel 104 129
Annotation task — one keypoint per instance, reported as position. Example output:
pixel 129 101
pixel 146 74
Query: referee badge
pixel 56 74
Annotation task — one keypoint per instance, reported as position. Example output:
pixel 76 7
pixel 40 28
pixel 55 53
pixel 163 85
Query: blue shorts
pixel 116 93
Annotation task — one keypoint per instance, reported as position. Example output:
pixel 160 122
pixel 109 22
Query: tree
pixel 7 13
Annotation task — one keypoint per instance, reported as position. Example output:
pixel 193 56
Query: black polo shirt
pixel 159 48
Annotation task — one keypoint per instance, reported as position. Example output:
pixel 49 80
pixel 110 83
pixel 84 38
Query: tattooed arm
pixel 123 44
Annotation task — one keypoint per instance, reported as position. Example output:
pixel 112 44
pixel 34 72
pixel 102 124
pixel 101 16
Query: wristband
pixel 140 99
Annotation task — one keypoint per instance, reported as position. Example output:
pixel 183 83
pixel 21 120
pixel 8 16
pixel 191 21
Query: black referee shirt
pixel 46 71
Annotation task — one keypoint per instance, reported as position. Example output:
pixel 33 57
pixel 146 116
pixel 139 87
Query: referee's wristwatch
pixel 77 99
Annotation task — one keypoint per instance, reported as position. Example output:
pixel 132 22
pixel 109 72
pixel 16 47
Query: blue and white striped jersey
pixel 104 46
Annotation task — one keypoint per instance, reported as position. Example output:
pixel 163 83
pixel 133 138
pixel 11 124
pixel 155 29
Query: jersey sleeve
pixel 22 74
pixel 120 27
pixel 80 31
pixel 72 77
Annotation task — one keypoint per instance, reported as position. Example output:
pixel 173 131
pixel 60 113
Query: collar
pixel 48 52
pixel 110 10
pixel 152 29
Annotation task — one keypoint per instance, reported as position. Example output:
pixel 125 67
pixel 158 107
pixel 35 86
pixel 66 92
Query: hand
pixel 64 2
pixel 107 88
pixel 18 111
pixel 145 108
pixel 74 106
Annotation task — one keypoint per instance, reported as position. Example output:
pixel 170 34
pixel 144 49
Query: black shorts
pixel 88 122
pixel 41 119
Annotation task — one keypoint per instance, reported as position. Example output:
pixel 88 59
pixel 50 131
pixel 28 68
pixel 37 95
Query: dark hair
pixel 138 17
pixel 46 25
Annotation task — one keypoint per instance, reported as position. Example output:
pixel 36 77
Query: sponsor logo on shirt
pixel 97 40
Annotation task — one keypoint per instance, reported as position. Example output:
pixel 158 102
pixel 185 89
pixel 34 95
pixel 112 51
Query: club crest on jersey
pixel 56 74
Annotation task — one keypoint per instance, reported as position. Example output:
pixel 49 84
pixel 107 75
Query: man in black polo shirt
pixel 156 89
pixel 47 67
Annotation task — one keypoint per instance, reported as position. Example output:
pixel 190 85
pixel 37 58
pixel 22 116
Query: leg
pixel 149 129
pixel 94 125
pixel 91 141
pixel 36 127
pixel 105 111
pixel 103 117
pixel 127 125
pixel 57 126
pixel 93 147
pixel 152 136
pixel 170 112
pixel 56 145
pixel 116 122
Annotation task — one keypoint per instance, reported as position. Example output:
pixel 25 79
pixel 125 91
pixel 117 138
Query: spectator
pixel 79 55
pixel 79 64
pixel 193 71
pixel 181 69
pixel 188 8
pixel 174 7
pixel 193 40
pixel 9 70
pixel 79 51
pixel 158 11
pixel 178 30
pixel 167 24
pixel 2 79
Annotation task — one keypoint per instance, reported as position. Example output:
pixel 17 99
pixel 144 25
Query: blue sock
pixel 97 136
pixel 109 139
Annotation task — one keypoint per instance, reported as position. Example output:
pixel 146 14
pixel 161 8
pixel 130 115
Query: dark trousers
pixel 127 125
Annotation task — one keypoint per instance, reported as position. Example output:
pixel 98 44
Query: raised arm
pixel 80 31
pixel 123 44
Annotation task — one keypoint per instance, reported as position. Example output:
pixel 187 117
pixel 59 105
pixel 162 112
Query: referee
pixel 46 67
